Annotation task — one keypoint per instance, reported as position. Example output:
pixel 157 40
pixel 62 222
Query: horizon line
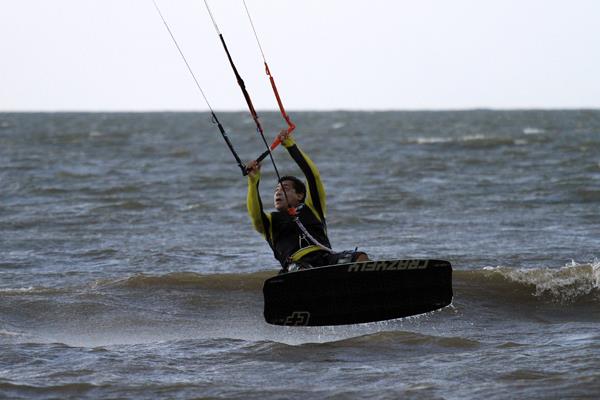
pixel 357 110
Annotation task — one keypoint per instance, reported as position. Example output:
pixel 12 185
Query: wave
pixel 588 195
pixel 448 139
pixel 405 338
pixel 570 284
pixel 222 282
pixel 189 304
pixel 574 283
pixel 378 342
pixel 4 332
pixel 65 390
pixel 64 174
pixel 32 291
pixel 481 141
pixel 533 131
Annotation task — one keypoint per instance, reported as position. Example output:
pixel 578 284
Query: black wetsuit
pixel 285 238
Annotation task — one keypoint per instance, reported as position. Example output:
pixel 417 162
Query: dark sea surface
pixel 129 268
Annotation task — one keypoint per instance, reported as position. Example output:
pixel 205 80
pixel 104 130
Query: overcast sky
pixel 103 55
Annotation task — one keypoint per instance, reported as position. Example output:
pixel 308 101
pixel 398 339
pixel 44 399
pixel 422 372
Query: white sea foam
pixel 446 139
pixel 4 332
pixel 468 138
pixel 533 131
pixel 565 284
pixel 429 140
pixel 17 290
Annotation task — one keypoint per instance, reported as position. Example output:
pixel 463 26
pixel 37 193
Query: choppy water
pixel 129 269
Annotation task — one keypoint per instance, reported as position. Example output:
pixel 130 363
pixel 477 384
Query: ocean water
pixel 129 268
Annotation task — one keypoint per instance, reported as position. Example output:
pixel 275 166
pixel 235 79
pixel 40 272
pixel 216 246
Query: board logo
pixel 397 265
pixel 298 318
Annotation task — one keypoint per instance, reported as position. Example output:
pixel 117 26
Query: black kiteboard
pixel 357 292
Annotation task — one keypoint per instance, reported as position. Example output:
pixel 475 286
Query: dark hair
pixel 299 186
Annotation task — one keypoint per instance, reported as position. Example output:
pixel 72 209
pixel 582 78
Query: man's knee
pixel 360 256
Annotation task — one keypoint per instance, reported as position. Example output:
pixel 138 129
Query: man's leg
pixel 361 256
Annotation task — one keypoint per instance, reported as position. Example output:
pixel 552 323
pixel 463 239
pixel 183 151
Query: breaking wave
pixel 567 285
pixel 572 283
pixel 179 305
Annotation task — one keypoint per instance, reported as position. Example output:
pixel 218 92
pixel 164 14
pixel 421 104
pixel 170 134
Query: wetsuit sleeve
pixel 315 191
pixel 260 220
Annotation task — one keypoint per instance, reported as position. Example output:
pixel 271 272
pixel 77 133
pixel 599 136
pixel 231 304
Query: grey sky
pixel 324 54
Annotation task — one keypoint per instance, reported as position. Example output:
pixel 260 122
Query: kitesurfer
pixel 293 247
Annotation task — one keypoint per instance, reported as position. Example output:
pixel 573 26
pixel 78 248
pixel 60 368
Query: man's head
pixel 295 191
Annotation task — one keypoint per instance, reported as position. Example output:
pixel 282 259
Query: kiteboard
pixel 357 292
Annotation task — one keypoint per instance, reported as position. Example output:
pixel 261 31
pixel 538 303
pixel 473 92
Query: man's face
pixel 279 198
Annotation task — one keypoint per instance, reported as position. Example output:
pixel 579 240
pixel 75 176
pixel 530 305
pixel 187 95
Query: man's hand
pixel 284 134
pixel 253 168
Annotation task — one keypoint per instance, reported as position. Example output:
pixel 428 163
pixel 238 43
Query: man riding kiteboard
pixel 297 230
